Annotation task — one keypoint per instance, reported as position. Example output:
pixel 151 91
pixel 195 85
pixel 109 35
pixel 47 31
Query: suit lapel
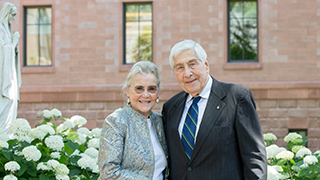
pixel 176 112
pixel 213 110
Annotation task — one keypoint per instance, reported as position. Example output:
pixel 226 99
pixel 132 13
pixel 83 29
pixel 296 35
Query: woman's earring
pixel 128 100
pixel 157 100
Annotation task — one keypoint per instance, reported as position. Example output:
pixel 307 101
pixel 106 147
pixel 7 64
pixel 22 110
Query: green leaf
pixel 292 161
pixel 68 149
pixel 74 159
pixel 82 148
pixel 7 155
pixel 74 171
pixel 281 162
pixel 22 170
pixel 63 159
pixel 32 171
pixel 94 177
pixel 73 145
pixel 45 177
pixel 303 172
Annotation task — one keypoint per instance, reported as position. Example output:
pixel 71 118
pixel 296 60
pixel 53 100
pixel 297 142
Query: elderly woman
pixel 132 143
pixel 10 76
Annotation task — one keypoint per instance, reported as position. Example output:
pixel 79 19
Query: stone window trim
pixel 32 3
pixel 243 65
pixel 126 67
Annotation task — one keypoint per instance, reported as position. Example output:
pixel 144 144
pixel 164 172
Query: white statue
pixel 10 74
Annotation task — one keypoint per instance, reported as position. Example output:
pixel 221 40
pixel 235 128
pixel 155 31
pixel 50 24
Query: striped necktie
pixel 189 128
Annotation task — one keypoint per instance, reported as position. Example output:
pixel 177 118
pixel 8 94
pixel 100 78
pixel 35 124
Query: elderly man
pixel 212 128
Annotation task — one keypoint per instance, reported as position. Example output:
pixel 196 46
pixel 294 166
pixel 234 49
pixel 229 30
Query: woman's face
pixel 12 15
pixel 143 93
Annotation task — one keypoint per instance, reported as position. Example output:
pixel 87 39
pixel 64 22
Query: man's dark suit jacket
pixel 229 144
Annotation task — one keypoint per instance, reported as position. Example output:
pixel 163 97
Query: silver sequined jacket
pixel 126 150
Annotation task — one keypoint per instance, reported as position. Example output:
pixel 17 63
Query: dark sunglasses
pixel 140 89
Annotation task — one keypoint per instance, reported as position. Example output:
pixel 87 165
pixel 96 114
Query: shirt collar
pixel 205 92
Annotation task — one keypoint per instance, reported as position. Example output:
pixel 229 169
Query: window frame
pixel 37 69
pixel 25 25
pixel 228 35
pixel 124 4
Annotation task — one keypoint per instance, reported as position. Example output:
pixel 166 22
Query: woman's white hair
pixel 142 67
pixel 178 48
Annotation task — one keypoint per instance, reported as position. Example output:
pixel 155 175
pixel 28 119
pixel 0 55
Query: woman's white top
pixel 159 157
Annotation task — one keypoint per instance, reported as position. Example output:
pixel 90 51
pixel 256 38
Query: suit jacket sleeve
pixel 251 142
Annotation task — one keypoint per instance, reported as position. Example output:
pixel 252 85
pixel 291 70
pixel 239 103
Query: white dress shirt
pixel 202 104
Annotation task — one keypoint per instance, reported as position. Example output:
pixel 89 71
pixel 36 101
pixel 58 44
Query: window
pixel 137 32
pixel 37 36
pixel 242 31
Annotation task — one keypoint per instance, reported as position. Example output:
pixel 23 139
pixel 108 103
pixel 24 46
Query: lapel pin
pixel 218 107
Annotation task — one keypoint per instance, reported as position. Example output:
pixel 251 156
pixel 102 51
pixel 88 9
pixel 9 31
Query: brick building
pixel 88 58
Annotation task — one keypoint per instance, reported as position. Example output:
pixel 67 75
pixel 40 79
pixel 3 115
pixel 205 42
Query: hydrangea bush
pixel 50 151
pixel 295 161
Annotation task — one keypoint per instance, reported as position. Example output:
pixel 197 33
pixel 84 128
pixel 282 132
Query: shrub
pixel 49 151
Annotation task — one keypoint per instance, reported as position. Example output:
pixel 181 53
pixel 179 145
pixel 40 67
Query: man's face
pixel 191 73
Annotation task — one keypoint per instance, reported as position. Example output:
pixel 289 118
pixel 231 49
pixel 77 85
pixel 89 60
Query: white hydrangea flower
pixel 46 113
pixel 92 152
pixel 54 142
pixel 310 160
pixel 52 163
pixel 78 120
pixel 283 176
pixel 10 177
pixel 41 131
pixel 4 137
pixel 61 169
pixel 24 138
pixel 317 152
pixel 76 152
pixel 55 155
pixel 273 150
pixel 18 153
pixel 96 132
pixel 62 177
pixel 4 144
pixel 68 124
pixel 272 177
pixel 292 136
pixel 269 137
pixel 55 112
pixel 94 142
pixel 95 168
pixel 285 155
pixel 84 131
pixel 20 127
pixel 42 166
pixel 271 170
pixel 304 165
pixel 82 139
pixel 86 162
pixel 278 168
pixel 61 128
pixel 31 153
pixel 12 166
pixel 275 171
pixel 302 152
